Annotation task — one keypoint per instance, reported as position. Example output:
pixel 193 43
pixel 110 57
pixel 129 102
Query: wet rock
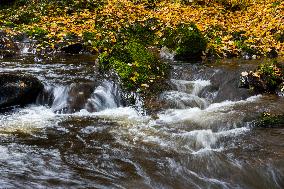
pixel 267 78
pixel 18 89
pixel 78 96
pixel 8 47
pixel 230 91
pixel 73 49
pixel 226 85
pixel 252 80
pixel 167 53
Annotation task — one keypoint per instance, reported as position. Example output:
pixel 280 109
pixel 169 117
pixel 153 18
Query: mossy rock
pixel 136 66
pixel 267 78
pixel 186 41
pixel 270 121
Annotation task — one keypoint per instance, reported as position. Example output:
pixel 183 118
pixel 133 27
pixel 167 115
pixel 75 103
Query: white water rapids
pixel 187 129
pixel 195 142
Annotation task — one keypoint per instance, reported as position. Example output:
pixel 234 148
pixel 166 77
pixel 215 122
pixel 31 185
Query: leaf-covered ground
pixel 250 26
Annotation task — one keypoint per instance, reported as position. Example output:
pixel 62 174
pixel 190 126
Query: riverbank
pixel 130 38
pixel 232 29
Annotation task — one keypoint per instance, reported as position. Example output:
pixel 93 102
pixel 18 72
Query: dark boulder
pixel 230 91
pixel 226 84
pixel 18 89
pixel 8 47
pixel 73 49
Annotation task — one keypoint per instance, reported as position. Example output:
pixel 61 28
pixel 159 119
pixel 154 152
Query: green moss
pixel 267 78
pixel 9 24
pixel 272 74
pixel 279 36
pixel 276 3
pixel 268 120
pixel 37 33
pixel 186 40
pixel 26 18
pixel 70 36
pixel 239 40
pixel 89 36
pixel 137 67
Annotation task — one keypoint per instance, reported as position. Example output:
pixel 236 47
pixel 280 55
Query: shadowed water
pixel 198 142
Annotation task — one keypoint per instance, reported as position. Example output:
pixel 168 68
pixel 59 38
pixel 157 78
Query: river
pixel 204 138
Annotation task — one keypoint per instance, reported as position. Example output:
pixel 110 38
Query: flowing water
pixel 206 138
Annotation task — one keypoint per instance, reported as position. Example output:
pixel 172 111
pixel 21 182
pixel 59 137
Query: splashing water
pixel 192 144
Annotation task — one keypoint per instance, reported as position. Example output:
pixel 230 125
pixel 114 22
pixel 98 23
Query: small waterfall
pixel 192 87
pixel 27 47
pixel 46 97
pixel 60 95
pixel 186 94
pixel 55 97
pixel 77 96
pixel 105 96
pixel 183 100
pixel 89 125
pixel 167 53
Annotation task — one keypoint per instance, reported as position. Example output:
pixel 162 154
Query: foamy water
pixel 27 120
pixel 193 144
pixel 188 130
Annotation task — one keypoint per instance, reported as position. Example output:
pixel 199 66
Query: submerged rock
pixel 18 89
pixel 230 91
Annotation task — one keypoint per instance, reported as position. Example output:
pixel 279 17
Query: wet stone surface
pixel 18 90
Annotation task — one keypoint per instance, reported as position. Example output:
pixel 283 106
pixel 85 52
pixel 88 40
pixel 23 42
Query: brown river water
pixel 203 140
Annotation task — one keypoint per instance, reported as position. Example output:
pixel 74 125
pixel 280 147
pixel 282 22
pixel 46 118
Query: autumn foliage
pixel 231 27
